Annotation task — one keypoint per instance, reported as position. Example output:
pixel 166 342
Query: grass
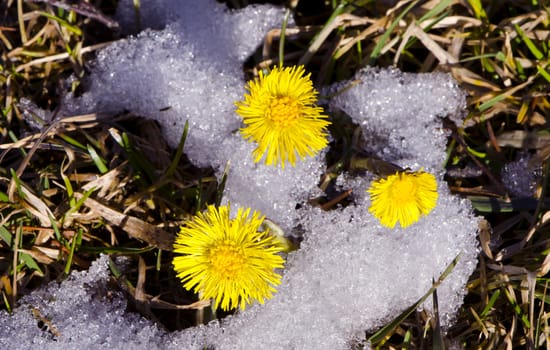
pixel 75 187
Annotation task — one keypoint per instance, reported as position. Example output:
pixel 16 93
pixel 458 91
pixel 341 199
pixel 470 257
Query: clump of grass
pixel 42 44
pixel 72 187
pixel 87 187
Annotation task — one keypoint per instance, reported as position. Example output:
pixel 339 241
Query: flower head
pixel 280 115
pixel 403 197
pixel 228 260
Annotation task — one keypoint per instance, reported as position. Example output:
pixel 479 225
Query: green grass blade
pixel 318 39
pixel 56 230
pixel 490 304
pixel 30 263
pixel 14 139
pixel 6 235
pixel 477 154
pixel 77 204
pixel 45 183
pixel 98 161
pixel 17 184
pixel 75 242
pixel 438 342
pixel 524 318
pixel 530 44
pixel 62 22
pixel 198 197
pixel 72 141
pixel 114 269
pixel 179 152
pixel 384 331
pixel 384 39
pixel 544 73
pixel 490 103
pixel 6 302
pixel 407 340
pixel 440 7
pixel 221 187
pixel 477 6
pixel 139 162
pixel 69 188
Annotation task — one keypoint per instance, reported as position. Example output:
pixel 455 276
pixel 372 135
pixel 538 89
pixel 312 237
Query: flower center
pixel 227 259
pixel 283 111
pixel 403 190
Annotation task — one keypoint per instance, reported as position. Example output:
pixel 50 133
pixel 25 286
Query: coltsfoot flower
pixel 404 197
pixel 280 115
pixel 228 260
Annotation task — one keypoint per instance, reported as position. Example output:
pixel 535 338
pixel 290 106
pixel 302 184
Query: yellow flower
pixel 281 116
pixel 228 260
pixel 403 197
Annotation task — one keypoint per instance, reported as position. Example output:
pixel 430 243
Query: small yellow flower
pixel 228 260
pixel 403 197
pixel 281 116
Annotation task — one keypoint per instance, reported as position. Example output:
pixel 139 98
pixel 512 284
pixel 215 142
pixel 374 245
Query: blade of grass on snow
pixel 389 328
pixel 179 151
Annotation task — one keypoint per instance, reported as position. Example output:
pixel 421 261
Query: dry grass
pixel 72 187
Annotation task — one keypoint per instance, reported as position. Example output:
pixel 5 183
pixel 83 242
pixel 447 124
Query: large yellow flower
pixel 228 260
pixel 281 116
pixel 403 197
